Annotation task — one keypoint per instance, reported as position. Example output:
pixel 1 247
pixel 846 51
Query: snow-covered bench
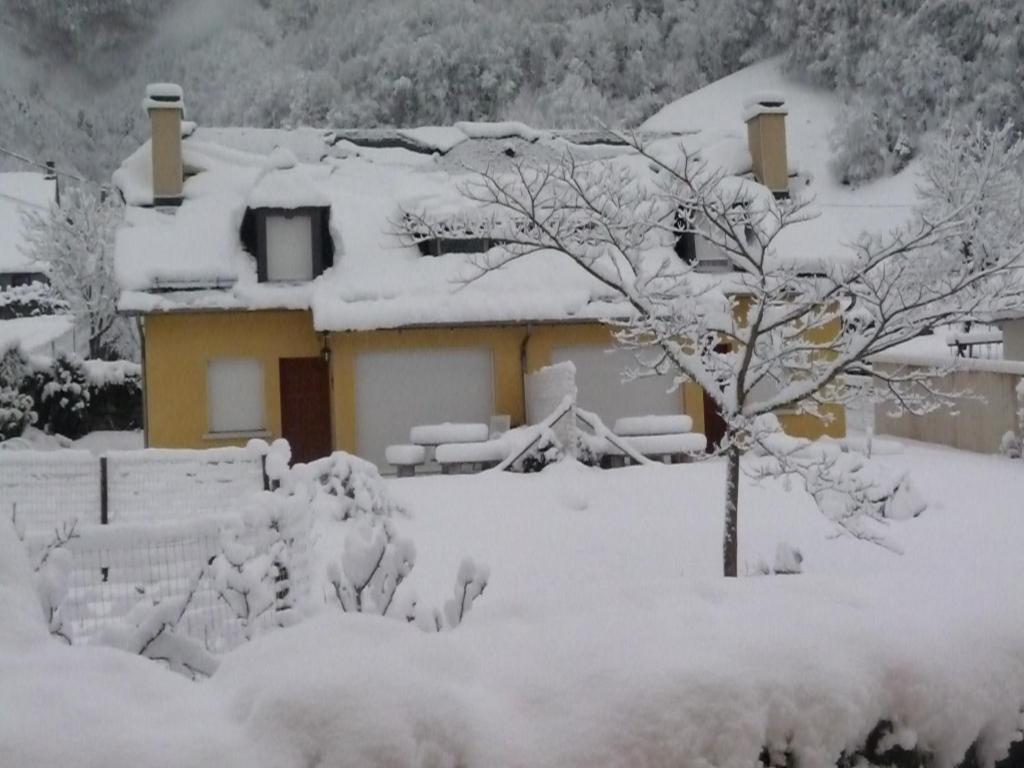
pixel 673 449
pixel 432 437
pixel 473 457
pixel 665 438
pixel 405 458
pixel 674 424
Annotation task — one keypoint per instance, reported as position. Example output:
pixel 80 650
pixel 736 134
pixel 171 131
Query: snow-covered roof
pixel 191 257
pixel 843 213
pixel 34 334
pixel 20 191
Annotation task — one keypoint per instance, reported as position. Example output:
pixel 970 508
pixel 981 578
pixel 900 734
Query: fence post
pixel 104 518
pixel 263 469
pixel 103 491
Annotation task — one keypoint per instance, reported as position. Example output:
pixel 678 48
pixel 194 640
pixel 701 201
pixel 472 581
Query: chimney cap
pixel 164 96
pixel 764 103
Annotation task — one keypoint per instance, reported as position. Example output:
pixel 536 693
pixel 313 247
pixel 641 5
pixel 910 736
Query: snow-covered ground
pixel 605 637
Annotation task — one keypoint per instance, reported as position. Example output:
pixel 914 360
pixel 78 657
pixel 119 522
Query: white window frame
pixel 222 425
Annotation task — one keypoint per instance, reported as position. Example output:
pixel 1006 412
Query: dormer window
pixel 291 245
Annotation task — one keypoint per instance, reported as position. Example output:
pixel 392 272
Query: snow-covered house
pixel 20 191
pixel 22 323
pixel 281 294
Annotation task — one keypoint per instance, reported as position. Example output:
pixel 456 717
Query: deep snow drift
pixel 604 638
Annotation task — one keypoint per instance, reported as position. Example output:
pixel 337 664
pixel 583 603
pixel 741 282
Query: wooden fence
pixel 978 422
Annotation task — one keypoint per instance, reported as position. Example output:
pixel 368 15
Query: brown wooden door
pixel 306 407
pixel 714 424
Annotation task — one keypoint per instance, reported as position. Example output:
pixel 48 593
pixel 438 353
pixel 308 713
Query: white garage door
pixel 599 380
pixel 396 391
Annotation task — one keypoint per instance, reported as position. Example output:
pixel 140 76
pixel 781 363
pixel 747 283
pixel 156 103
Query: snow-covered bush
pixel 30 300
pixel 15 413
pixel 62 394
pixel 51 564
pixel 151 629
pixel 375 562
pixel 1010 445
pixel 260 572
pixel 115 394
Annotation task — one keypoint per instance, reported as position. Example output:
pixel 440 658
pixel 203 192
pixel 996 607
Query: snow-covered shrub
pixel 51 565
pixel 260 569
pixel 341 486
pixel 150 629
pixel 16 408
pixel 14 367
pixel 15 413
pixel 30 300
pixel 375 562
pixel 115 394
pixel 61 394
pixel 1010 445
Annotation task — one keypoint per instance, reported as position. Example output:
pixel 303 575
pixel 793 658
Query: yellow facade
pixel 179 347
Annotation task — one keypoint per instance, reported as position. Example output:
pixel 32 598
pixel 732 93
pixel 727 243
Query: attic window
pixel 290 244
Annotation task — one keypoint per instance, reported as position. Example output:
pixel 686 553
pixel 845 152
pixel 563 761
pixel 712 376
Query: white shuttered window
pixel 289 247
pixel 235 394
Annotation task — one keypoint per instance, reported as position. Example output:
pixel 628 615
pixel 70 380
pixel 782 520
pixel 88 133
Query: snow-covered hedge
pixel 30 300
pixel 69 396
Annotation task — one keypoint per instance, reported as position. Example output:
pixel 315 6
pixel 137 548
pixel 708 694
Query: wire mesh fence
pixel 114 568
pixel 147 525
pixel 47 489
pixel 158 484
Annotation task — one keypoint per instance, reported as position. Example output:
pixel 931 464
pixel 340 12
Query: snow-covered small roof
pixel 34 334
pixel 191 257
pixel 20 191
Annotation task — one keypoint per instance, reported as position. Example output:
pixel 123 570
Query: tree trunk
pixel 730 536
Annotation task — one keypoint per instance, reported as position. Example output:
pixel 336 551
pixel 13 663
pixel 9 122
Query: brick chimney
pixel 165 104
pixel 765 115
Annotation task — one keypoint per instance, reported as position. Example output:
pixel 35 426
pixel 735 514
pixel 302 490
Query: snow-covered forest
pixel 73 72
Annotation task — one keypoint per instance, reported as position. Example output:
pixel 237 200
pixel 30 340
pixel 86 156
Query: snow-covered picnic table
pixel 666 437
pixel 434 440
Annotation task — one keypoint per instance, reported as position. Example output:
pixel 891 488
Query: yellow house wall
pixel 178 349
pixel 180 346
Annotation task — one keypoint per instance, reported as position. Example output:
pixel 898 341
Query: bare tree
pixel 765 332
pixel 76 241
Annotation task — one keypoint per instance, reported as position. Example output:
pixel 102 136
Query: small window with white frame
pixel 235 395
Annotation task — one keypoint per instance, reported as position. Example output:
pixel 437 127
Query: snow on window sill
pixel 248 433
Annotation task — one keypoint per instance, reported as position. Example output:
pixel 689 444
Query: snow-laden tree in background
pixel 76 242
pixel 772 334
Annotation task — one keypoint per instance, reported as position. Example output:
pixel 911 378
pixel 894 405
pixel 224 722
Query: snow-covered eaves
pixel 21 192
